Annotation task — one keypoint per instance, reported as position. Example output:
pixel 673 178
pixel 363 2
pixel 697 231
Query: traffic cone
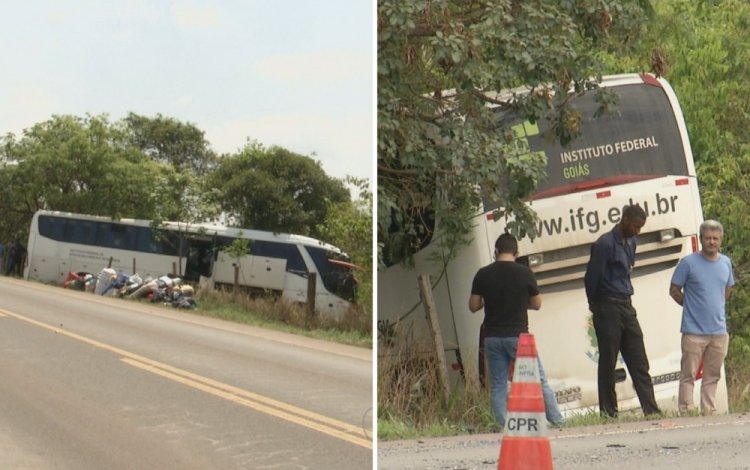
pixel 525 445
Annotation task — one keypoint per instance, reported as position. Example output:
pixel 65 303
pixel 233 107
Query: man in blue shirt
pixel 608 289
pixel 701 284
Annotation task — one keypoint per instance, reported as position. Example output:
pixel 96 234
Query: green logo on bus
pixel 520 146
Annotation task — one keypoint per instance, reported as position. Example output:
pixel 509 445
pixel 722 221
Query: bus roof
pixel 209 228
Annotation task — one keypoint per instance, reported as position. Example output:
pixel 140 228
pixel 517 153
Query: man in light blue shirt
pixel 701 284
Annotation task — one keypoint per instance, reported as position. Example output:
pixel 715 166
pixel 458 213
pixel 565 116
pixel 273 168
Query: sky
pixel 294 73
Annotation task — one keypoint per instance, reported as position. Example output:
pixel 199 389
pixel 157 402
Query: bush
pixel 411 402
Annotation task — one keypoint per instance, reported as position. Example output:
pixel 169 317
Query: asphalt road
pixel 717 442
pixel 89 383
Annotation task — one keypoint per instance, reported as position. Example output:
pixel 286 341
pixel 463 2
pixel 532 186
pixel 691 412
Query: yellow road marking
pixel 279 409
pixel 219 392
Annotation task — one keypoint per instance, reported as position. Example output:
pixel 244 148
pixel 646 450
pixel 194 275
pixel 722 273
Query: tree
pixel 138 167
pixel 169 141
pixel 275 189
pixel 442 66
pixel 79 165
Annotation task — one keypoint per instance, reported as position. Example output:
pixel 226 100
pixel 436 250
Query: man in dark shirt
pixel 608 289
pixel 506 290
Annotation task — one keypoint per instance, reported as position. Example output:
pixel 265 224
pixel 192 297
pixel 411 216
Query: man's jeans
pixel 500 353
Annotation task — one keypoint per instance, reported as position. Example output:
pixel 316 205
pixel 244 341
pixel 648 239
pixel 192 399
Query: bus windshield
pixel 336 272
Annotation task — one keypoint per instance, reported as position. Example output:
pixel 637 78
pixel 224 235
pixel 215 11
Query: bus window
pixel 114 235
pixel 81 232
pixel 289 251
pixel 166 243
pixel 52 227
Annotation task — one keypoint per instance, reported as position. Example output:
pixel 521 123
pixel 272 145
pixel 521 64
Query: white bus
pixel 639 154
pixel 61 242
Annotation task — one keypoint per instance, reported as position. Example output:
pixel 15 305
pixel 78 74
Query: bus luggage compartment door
pixel 254 271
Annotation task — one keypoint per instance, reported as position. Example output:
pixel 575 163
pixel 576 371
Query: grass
pixel 411 404
pixel 737 367
pixel 354 329
pixel 593 418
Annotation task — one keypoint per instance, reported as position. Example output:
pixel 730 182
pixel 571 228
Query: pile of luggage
pixel 166 289
pixel 80 281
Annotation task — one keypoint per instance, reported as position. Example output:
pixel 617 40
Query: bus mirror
pixel 666 235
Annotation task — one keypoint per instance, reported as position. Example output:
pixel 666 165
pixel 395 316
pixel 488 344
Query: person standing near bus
pixel 507 290
pixel 609 289
pixel 9 261
pixel 701 285
pixel 16 256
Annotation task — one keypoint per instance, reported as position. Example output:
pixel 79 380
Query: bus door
pixel 199 259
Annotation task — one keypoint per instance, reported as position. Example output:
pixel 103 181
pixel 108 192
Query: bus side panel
pixel 400 305
pixel 92 259
pixel 89 260
pixel 332 306
pixel 459 278
pixel 42 265
pixel 43 261
pixel 401 311
pixel 295 289
pixel 402 320
pixel 402 326
pixel 255 271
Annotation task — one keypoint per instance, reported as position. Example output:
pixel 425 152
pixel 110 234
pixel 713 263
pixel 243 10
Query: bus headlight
pixel 535 260
pixel 666 235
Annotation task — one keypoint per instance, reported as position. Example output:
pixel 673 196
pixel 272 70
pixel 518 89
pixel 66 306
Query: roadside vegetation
pixel 354 329
pixel 701 47
pixel 411 403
